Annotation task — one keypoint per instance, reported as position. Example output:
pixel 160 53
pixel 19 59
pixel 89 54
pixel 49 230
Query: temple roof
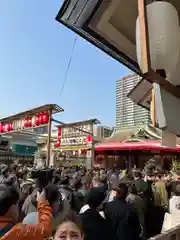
pixel 134 134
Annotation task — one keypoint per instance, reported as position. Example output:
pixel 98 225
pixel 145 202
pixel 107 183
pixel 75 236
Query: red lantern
pixel 89 138
pixel 5 127
pixel 37 122
pixel 45 118
pixel 10 127
pixel 59 138
pixel 59 131
pixel 58 144
pixel 2 127
pixel 29 122
pixel 26 122
pixel 41 118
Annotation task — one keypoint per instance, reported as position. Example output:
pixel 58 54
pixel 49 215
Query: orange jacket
pixel 32 232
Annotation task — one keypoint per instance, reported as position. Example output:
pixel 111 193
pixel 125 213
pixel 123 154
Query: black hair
pixel 132 189
pixel 95 196
pixel 13 167
pixel 71 216
pixel 122 190
pixel 76 183
pixel 8 197
pixel 64 181
pixel 138 174
pixel 52 193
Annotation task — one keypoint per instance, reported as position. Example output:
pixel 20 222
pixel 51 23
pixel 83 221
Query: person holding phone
pixel 9 213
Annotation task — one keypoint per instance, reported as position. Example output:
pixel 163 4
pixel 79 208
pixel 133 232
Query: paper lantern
pixel 89 138
pixel 58 144
pixel 29 122
pixel 173 76
pixel 5 127
pixel 10 127
pixel 163 26
pixel 41 118
pixel 2 127
pixel 37 121
pixel 26 122
pixel 45 118
pixel 59 131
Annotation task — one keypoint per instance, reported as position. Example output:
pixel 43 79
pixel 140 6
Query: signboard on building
pixel 25 123
pixel 75 137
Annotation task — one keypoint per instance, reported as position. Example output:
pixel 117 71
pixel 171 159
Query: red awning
pixel 139 145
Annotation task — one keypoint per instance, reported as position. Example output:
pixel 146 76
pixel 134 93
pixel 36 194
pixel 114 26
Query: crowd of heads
pixel 76 185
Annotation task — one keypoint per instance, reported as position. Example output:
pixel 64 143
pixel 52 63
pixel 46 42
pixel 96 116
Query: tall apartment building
pixel 128 113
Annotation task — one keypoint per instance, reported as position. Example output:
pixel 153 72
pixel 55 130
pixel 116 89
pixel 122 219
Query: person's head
pixel 137 175
pixel 84 182
pixel 5 171
pixel 13 168
pixel 76 183
pixel 122 191
pixel 54 198
pixel 69 228
pixel 9 197
pixel 103 179
pixel 64 181
pixel 159 177
pixel 96 182
pixel 95 197
pixel 132 189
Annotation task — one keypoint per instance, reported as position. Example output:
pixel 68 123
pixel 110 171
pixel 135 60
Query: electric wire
pixel 68 66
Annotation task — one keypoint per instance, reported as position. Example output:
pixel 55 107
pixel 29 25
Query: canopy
pixel 149 145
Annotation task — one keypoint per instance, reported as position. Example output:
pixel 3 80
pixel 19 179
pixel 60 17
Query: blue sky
pixel 34 53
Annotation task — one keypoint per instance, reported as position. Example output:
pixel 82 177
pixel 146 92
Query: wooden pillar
pixel 49 139
pixel 144 37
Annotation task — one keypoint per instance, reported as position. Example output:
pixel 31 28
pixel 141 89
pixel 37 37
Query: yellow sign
pixel 73 148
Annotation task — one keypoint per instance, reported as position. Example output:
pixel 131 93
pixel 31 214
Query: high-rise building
pixel 128 113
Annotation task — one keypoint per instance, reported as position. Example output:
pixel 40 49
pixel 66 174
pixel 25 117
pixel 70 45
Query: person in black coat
pixel 94 225
pixel 122 217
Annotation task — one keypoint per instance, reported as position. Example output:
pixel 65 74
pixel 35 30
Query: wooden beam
pixel 144 37
pixel 152 77
pixel 147 71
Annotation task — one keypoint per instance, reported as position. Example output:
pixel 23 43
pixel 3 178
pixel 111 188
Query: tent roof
pixel 149 145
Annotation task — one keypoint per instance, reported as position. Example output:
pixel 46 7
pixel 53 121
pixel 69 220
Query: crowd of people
pixel 80 204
